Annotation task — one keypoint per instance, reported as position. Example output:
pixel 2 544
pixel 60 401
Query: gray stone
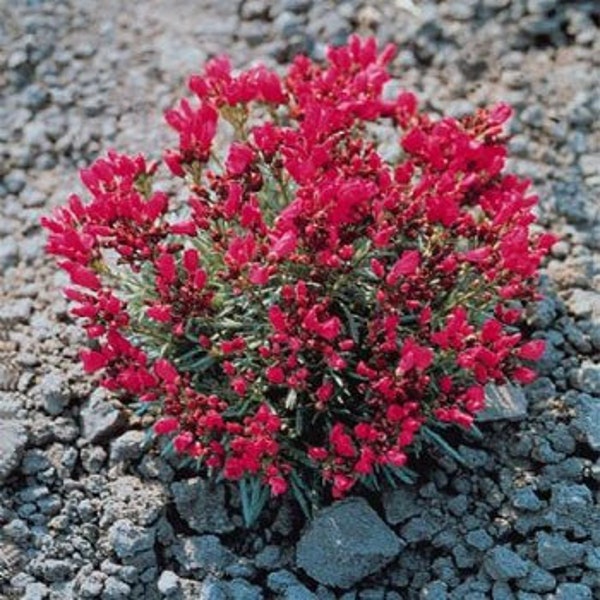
pixel 587 378
pixel 129 497
pixel 400 505
pixel 212 589
pixel 576 338
pixel 91 585
pixel 560 250
pixel 9 253
pixel 168 583
pixel 420 529
pixel 35 591
pixel 34 461
pixel 298 592
pixel 57 570
pixel 53 394
pixel 561 439
pixel 205 553
pixel 584 304
pixel 269 558
pixel 573 591
pixel 35 97
pixel 587 421
pixel 542 313
pixel 464 558
pixel 92 458
pixel 500 591
pixel 503 403
pixel 201 504
pixel 590 164
pixel 13 440
pixel 592 559
pixel 572 499
pixel 479 539
pixel 474 458
pixel 128 540
pixel 18 310
pixel 345 543
pixel 127 447
pixel 502 564
pixel 282 580
pixel 526 499
pixel 436 590
pixel 15 181
pixel 99 419
pixel 296 6
pixel 537 580
pixel 115 589
pixel 554 551
pixel 240 589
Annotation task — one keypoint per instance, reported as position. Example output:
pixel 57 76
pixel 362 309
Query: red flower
pixel 92 361
pixel 166 371
pixel 533 350
pixel 316 303
pixel 341 441
pixel 239 159
pixel 196 128
pixel 166 426
pixel 407 264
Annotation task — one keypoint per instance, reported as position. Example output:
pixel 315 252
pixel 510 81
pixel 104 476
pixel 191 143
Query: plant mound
pixel 315 305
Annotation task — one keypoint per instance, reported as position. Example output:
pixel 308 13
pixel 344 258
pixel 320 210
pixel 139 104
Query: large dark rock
pixel 201 505
pixel 345 543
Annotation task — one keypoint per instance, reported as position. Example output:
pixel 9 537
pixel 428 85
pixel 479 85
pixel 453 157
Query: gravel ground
pixel 86 513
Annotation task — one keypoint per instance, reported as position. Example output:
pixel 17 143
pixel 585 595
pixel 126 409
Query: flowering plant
pixel 314 307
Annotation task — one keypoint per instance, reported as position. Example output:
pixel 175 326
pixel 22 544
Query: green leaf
pixel 302 494
pixel 200 365
pixel 403 474
pixel 352 326
pixel 441 443
pixel 254 496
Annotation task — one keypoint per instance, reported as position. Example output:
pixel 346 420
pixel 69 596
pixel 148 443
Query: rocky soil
pixel 87 512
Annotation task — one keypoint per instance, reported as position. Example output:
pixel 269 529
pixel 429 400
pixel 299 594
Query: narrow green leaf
pixel 441 443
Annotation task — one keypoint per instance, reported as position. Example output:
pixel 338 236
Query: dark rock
pixel 587 378
pixel 270 558
pixel 53 394
pixel 99 419
pixel 115 589
pixel 9 253
pixel 201 504
pixel 204 553
pixel 526 499
pixel 345 543
pixel 128 539
pixel 587 421
pixel 421 529
pixel 240 589
pixel 537 580
pixel 506 402
pixel 127 447
pixel 554 551
pixel 542 313
pixel 400 505
pixel 57 570
pixel 573 591
pixel 13 440
pixel 168 583
pixel 502 564
pixel 479 539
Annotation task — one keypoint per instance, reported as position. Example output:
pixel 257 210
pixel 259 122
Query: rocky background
pixel 86 512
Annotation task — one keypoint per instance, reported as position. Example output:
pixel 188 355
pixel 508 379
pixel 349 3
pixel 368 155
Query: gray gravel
pixel 86 511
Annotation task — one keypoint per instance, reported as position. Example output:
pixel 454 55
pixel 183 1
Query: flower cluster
pixel 314 305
